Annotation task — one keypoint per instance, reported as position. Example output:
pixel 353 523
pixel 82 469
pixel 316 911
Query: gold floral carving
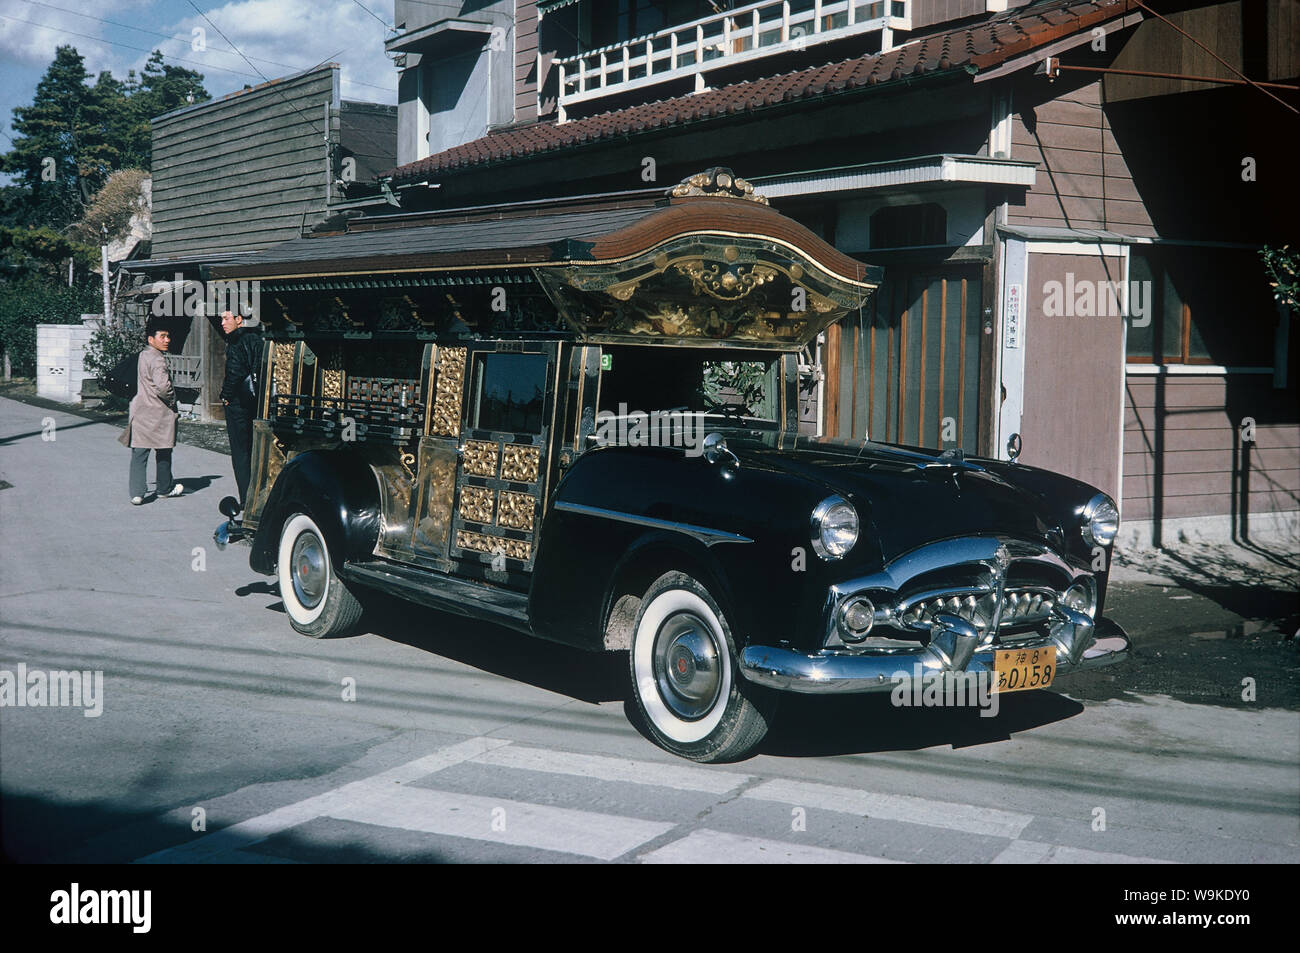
pixel 282 370
pixel 718 182
pixel 516 510
pixel 476 504
pixel 481 458
pixel 332 375
pixel 519 463
pixel 514 548
pixel 447 392
pixel 725 283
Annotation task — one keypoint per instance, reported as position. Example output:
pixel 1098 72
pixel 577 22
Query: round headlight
pixel 1100 521
pixel 834 527
pixel 1081 597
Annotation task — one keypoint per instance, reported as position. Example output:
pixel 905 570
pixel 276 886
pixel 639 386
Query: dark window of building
pixel 1194 305
pixel 614 21
pixel 905 226
pixel 509 392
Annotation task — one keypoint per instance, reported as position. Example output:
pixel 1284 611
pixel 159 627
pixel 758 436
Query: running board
pixel 439 591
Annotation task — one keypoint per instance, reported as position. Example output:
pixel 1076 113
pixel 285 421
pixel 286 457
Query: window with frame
pixel 509 393
pixel 1199 305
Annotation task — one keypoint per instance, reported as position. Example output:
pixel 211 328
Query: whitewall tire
pixel 688 690
pixel 315 599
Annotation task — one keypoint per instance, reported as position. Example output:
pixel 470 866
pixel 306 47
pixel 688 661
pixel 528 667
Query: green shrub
pixel 110 344
pixel 30 301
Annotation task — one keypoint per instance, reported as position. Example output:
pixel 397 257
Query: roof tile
pixel 980 45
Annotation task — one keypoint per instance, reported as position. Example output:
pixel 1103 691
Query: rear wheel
pixel 684 675
pixel 315 599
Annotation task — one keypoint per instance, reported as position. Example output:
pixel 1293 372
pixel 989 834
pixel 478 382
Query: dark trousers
pixel 239 428
pixel 162 470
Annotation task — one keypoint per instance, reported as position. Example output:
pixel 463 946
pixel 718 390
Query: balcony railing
pixel 692 49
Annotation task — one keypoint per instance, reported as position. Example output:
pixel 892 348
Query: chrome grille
pixel 1019 607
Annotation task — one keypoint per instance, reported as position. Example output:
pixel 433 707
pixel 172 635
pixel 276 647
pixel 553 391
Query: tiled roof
pixel 972 48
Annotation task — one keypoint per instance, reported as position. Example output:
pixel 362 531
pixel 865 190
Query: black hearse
pixel 580 420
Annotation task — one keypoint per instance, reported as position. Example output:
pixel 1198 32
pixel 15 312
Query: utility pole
pixel 103 262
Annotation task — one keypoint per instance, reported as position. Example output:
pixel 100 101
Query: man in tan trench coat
pixel 152 421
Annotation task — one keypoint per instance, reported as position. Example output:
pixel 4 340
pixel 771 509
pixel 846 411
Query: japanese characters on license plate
pixel 1022 669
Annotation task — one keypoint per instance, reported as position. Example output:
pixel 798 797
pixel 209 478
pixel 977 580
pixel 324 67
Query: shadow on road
pixel 586 676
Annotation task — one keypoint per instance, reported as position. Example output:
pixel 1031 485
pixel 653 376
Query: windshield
pixel 736 384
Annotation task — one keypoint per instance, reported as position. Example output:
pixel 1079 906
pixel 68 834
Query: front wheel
pixel 685 678
pixel 315 599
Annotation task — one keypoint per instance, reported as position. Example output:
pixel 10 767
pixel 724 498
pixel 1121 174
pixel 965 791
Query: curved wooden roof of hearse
pixel 711 264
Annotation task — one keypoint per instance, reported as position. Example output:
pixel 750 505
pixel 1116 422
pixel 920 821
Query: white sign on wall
pixel 1015 298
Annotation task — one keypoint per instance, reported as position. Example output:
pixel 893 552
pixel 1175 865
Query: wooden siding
pixel 246 171
pixel 1083 180
pixel 1257 37
pixel 526 75
pixel 1183 455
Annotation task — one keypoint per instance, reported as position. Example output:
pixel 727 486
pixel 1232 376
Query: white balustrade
pixel 759 29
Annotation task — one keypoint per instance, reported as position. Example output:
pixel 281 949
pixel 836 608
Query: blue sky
pixel 278 36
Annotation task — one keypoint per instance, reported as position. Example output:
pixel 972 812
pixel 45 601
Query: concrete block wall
pixel 60 357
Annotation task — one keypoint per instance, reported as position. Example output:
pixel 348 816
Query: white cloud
pixel 29 35
pixel 287 36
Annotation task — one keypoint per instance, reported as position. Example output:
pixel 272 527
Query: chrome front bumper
pixel 954 647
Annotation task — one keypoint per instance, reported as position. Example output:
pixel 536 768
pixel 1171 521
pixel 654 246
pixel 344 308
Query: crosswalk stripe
pixel 1033 852
pixel 388 799
pixel 679 777
pixel 716 847
pixel 586 833
pixel 894 807
pixel 219 845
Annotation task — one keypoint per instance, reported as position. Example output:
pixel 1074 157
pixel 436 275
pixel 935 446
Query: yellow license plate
pixel 1020 670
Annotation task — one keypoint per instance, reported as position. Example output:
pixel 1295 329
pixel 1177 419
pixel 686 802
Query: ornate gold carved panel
pixel 283 367
pixel 332 373
pixel 519 463
pixel 449 389
pixel 514 548
pixel 437 478
pixel 268 460
pixel 476 504
pixel 516 510
pixel 481 458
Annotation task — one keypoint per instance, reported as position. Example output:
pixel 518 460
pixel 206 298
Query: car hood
pixel 907 498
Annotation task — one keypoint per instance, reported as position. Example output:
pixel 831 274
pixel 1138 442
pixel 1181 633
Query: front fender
pixel 338 490
pixel 646 511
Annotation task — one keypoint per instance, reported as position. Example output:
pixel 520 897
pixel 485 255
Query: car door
pixel 504 458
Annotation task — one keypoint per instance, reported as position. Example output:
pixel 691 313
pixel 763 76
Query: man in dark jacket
pixel 239 394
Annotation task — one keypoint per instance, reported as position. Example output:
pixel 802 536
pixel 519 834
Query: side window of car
pixel 509 393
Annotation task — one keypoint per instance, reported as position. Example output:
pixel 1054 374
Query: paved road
pixel 224 736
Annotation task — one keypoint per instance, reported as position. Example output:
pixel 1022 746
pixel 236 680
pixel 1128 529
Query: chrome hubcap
pixel 308 565
pixel 686 665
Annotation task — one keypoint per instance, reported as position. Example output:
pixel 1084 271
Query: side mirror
pixel 1013 447
pixel 229 507
pixel 716 451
